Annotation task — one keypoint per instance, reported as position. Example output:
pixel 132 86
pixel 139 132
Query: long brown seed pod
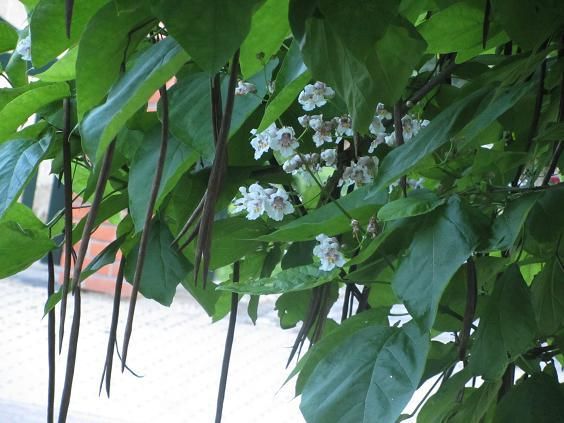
pixel 228 346
pixel 67 177
pixel 88 227
pixel 113 329
pixel 51 340
pixel 144 241
pixel 216 177
pixel 69 6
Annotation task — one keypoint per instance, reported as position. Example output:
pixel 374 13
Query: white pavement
pixel 177 350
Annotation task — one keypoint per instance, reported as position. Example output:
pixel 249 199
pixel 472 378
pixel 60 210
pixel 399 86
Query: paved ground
pixel 176 349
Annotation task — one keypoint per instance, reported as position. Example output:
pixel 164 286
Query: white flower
pixel 390 140
pixel 376 127
pixel 253 201
pixel 271 86
pixel 344 127
pixel 285 141
pixel 278 205
pixel 410 127
pixel 380 139
pixel 416 183
pixel 361 172
pixel 328 251
pixel 296 165
pixel 315 95
pixel 323 130
pixel 304 121
pixel 263 140
pixel 244 88
pixel 382 112
pixel 329 156
pixel 23 48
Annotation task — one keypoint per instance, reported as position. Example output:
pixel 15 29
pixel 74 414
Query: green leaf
pixel 547 294
pixel 292 307
pixel 418 202
pixel 537 399
pixel 329 219
pixel 102 49
pixel 269 28
pixel 62 70
pixel 458 28
pixel 507 327
pixel 530 23
pixel 292 279
pixel 540 238
pixel 18 161
pixel 381 372
pixel 110 206
pixel 507 226
pixel 366 66
pixel 52 301
pixel 444 241
pixel 47 27
pixel 554 132
pixel 330 342
pixel 209 30
pixel 8 36
pixel 163 269
pixel 152 69
pixel 215 303
pixel 442 405
pixel 24 239
pixel 18 110
pixel 179 158
pixel 291 79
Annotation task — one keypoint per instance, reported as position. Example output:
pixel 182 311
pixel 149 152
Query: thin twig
pixel 470 310
pixel 441 77
pixel 144 241
pixel 51 340
pixel 88 226
pixel 228 346
pixel 113 329
pixel 67 177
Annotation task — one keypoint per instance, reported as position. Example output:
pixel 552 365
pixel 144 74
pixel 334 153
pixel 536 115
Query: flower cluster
pixel 328 251
pixel 315 95
pixel 299 163
pixel 282 140
pixel 257 200
pixel 360 172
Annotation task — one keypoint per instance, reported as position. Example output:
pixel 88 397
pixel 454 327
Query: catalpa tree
pixel 381 157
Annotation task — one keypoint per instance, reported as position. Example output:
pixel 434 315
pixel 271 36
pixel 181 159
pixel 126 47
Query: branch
pixel 442 76
pixel 470 310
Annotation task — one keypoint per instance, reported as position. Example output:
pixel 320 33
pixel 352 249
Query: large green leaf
pixel 540 238
pixel 18 161
pixel 291 79
pixel 374 383
pixel 292 279
pixel 152 69
pixel 445 240
pixel 190 110
pixel 269 28
pixel 105 257
pixel 529 23
pixel 459 27
pixel 179 158
pixel 548 297
pixel 102 49
pixel 24 239
pixel 19 109
pixel 330 219
pixel 209 30
pixel 331 341
pixel 361 61
pixel 507 327
pixel 215 303
pixel 163 269
pixel 62 70
pixel 48 30
pixel 537 399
